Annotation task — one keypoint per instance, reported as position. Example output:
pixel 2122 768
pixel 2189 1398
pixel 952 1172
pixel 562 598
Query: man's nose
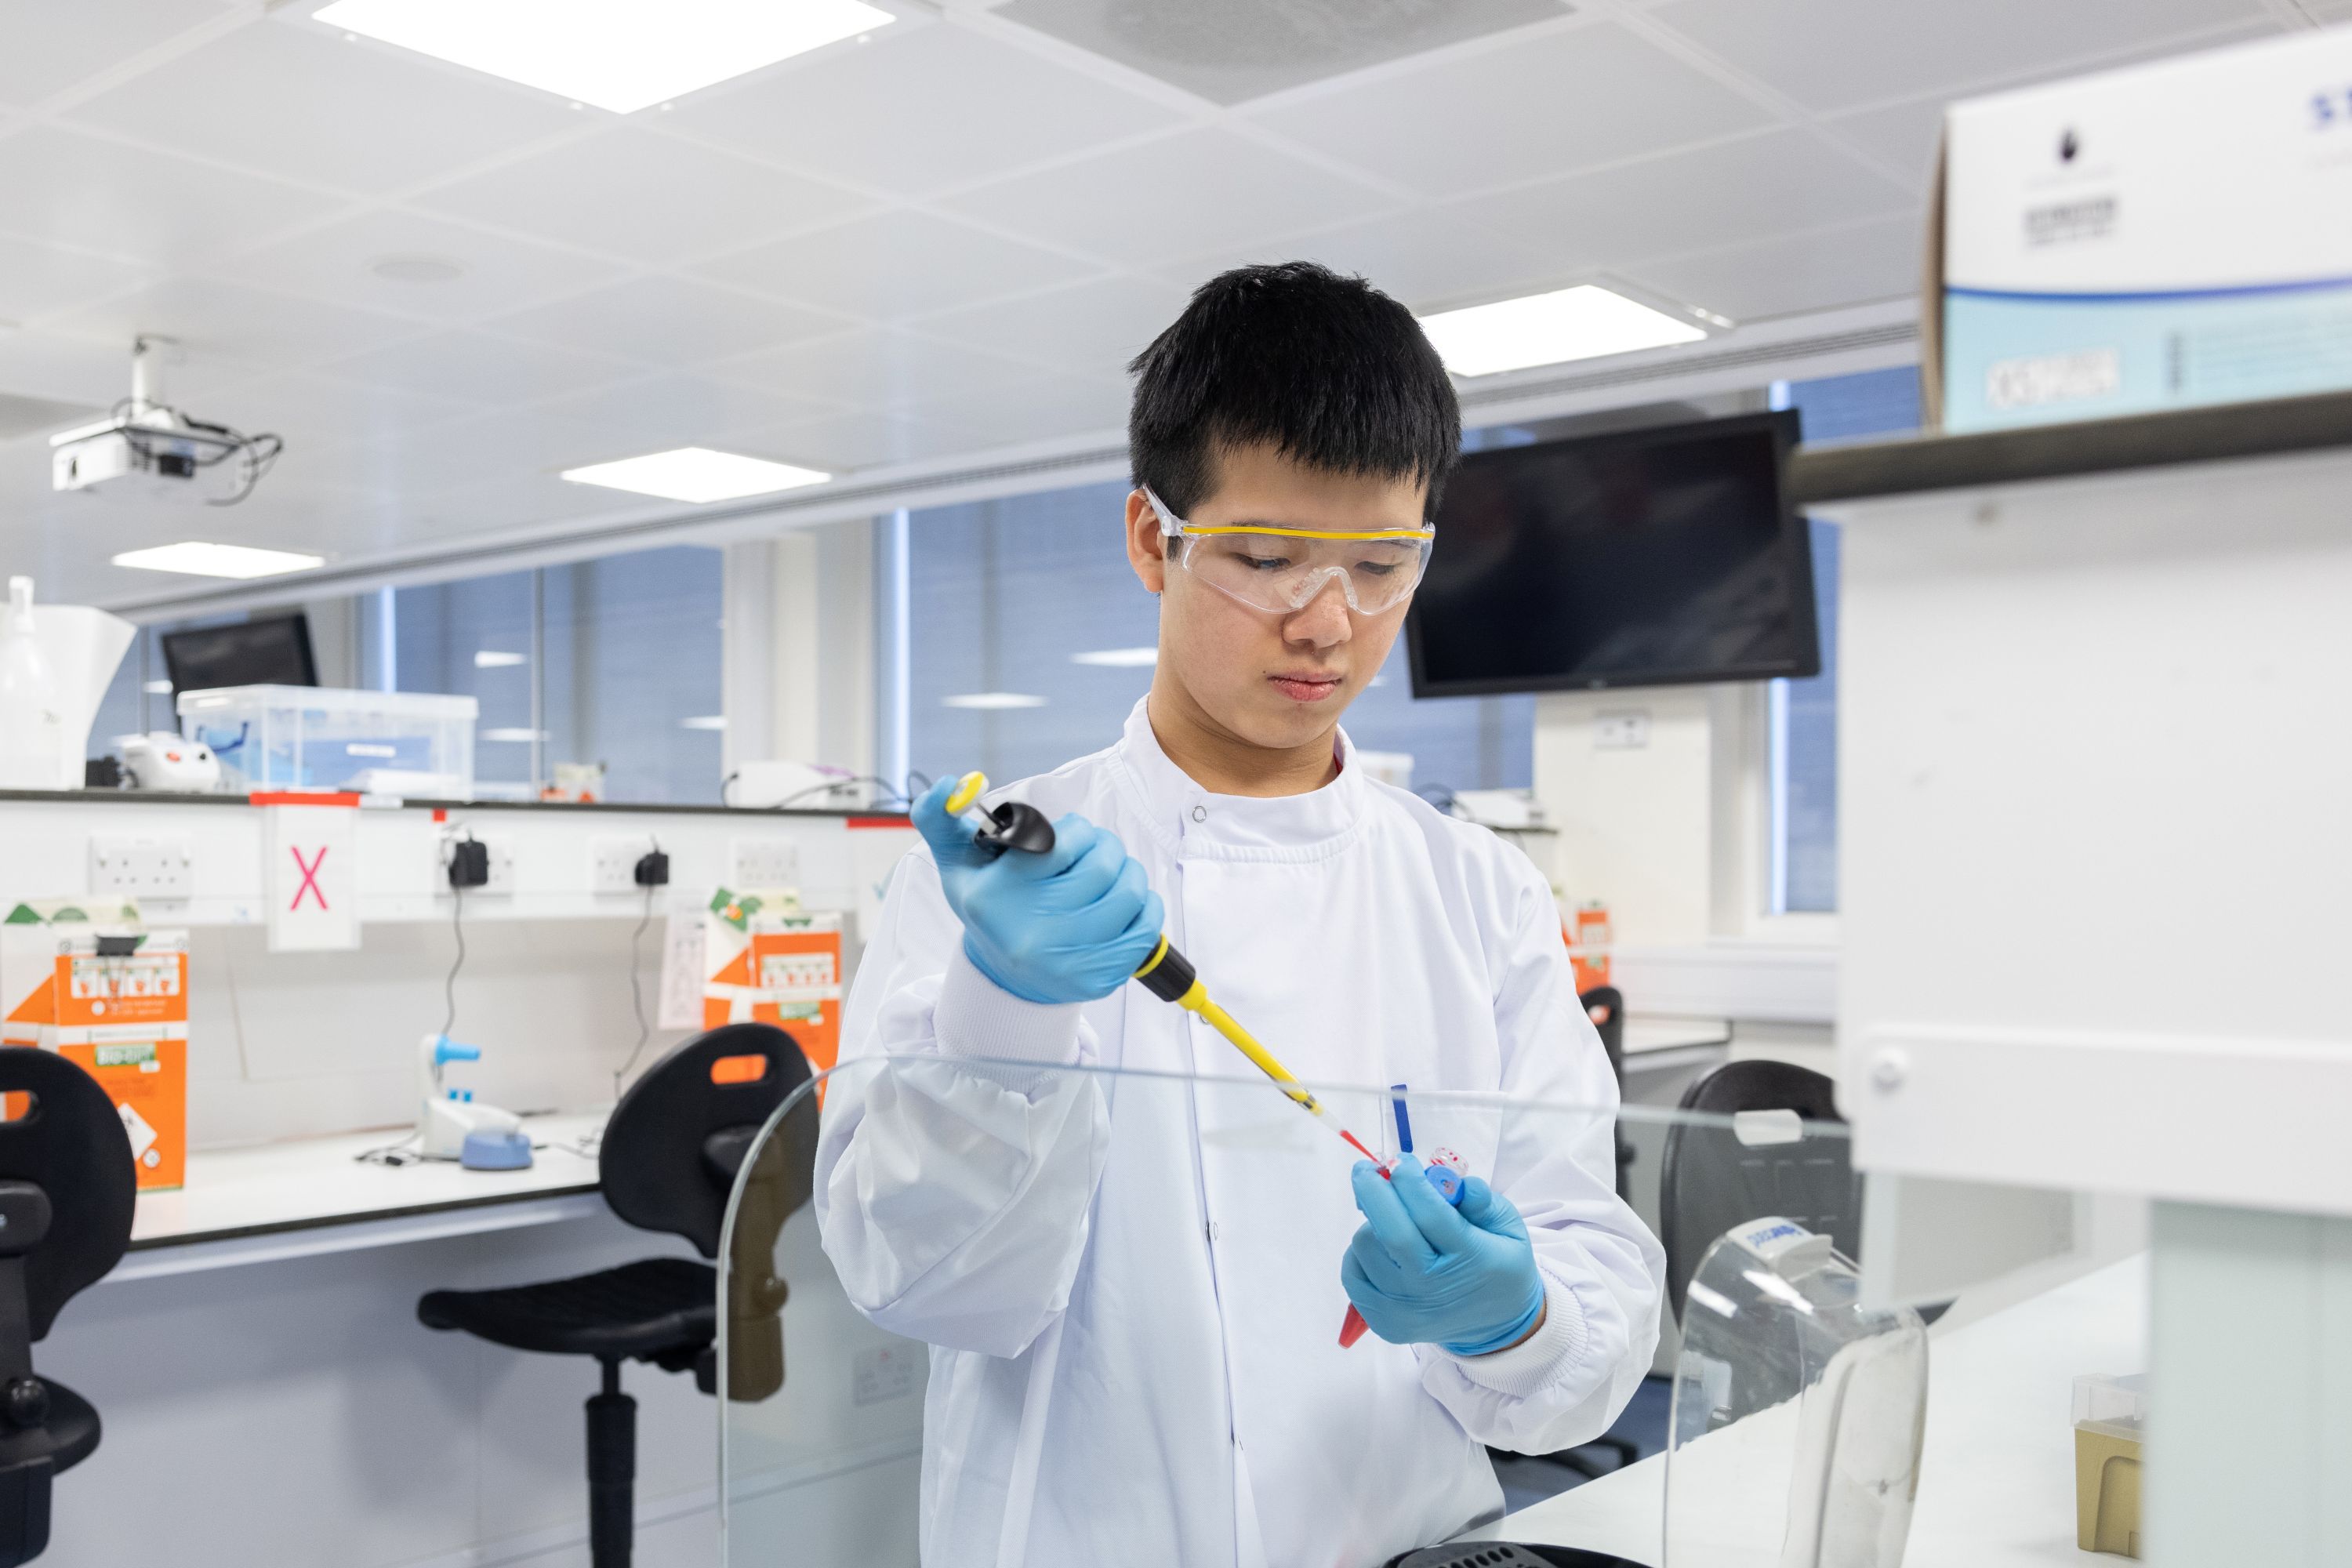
pixel 1322 621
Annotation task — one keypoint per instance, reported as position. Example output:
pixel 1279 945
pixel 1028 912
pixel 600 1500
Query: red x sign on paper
pixel 309 878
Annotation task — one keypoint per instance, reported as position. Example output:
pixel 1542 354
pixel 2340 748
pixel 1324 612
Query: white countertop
pixel 1645 1034
pixel 305 1195
pixel 1997 1478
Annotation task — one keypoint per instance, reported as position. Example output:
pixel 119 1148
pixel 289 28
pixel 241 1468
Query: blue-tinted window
pixel 1804 712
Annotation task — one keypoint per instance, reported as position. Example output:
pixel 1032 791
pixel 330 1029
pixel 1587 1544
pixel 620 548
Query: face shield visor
pixel 1281 570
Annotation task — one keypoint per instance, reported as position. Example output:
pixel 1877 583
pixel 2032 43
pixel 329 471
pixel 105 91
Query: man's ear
pixel 1146 548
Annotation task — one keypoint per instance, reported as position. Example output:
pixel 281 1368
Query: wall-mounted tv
pixel 1663 557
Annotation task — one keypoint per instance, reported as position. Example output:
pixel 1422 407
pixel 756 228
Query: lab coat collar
pixel 1190 821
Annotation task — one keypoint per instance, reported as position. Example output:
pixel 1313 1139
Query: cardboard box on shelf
pixel 2155 238
pixel 87 978
pixel 769 961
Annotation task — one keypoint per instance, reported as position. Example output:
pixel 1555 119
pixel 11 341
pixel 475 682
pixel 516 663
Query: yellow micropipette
pixel 1167 974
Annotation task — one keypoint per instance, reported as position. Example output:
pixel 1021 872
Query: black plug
pixel 469 863
pixel 652 869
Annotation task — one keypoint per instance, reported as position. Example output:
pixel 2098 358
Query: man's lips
pixel 1305 686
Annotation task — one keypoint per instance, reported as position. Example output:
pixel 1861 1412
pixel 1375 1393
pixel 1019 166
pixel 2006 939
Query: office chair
pixel 68 1187
pixel 1712 1181
pixel 668 1159
pixel 1605 1005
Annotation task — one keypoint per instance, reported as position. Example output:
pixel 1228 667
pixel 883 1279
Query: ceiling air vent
pixel 1232 50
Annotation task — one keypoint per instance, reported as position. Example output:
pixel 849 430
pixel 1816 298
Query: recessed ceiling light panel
pixel 620 55
pixel 201 560
pixel 1583 322
pixel 1119 657
pixel 695 474
pixel 992 702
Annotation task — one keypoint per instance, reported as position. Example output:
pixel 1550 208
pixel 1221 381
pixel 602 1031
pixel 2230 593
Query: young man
pixel 1133 1323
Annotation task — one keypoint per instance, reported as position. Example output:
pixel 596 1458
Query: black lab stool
pixel 68 1187
pixel 669 1157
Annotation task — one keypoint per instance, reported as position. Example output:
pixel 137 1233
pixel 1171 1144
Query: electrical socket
pixel 1623 730
pixel 762 863
pixel 141 867
pixel 612 861
pixel 501 852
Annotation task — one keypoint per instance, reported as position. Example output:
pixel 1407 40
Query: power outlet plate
pixel 502 882
pixel 1625 729
pixel 612 861
pixel 141 867
pixel 762 863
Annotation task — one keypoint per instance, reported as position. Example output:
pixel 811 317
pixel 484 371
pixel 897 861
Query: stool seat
pixel 651 1308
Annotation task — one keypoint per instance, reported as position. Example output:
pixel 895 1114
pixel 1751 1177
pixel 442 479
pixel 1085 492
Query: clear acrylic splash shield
pixel 826 1412
pixel 1797 1415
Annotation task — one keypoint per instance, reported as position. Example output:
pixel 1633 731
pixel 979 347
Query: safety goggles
pixel 1281 570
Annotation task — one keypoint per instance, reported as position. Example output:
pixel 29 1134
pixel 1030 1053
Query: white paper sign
pixel 312 877
pixel 681 977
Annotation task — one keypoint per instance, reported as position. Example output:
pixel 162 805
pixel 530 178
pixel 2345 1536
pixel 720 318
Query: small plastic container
pixel 411 744
pixel 2110 1420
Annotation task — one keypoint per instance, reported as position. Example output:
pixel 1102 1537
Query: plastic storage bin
pixel 412 744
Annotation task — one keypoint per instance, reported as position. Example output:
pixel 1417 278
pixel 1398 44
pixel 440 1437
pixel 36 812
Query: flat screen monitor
pixel 1657 557
pixel 271 652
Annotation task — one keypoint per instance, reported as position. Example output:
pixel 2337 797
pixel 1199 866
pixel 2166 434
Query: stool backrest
pixel 1711 1181
pixel 67 1186
pixel 675 1142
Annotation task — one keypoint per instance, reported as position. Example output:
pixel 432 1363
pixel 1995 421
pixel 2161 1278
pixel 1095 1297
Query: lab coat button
pixel 1199 813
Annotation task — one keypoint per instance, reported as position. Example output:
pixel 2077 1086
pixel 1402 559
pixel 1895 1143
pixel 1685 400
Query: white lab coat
pixel 1131 1286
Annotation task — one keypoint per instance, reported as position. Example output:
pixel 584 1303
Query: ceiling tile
pixel 1229 51
pixel 668 322
pixel 1879 260
pixel 669 411
pixel 1900 136
pixel 44 364
pixel 1025 411
pixel 895 264
pixel 874 369
pixel 634 192
pixel 1537 108
pixel 222 324
pixel 1780 182
pixel 45 48
pixel 36 279
pixel 1193 192
pixel 485 447
pixel 480 370
pixel 1093 328
pixel 497 274
pixel 296 102
pixel 1425 263
pixel 317 414
pixel 1840 54
pixel 78 190
pixel 838 443
pixel 934 106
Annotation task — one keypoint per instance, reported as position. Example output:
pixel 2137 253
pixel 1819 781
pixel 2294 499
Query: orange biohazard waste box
pixel 767 960
pixel 88 980
pixel 1586 931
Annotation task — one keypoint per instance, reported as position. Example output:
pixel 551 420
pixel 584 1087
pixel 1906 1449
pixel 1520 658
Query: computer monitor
pixel 275 651
pixel 1655 557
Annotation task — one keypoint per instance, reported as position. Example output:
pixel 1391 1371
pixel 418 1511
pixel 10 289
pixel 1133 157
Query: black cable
pixel 888 793
pixel 259 452
pixel 636 997
pixel 458 929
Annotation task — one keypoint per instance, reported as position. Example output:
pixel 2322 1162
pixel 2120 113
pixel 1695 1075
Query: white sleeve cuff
pixel 1520 1371
pixel 974 1016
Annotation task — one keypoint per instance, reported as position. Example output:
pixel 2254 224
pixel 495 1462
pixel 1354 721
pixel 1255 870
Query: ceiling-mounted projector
pixel 146 446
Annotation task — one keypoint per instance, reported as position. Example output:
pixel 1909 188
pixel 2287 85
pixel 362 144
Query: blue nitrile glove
pixel 1069 925
pixel 1424 1272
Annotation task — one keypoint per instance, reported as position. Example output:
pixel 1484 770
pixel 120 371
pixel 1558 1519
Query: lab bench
pixel 1997 1478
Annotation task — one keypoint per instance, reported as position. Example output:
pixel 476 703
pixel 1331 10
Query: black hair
pixel 1327 370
